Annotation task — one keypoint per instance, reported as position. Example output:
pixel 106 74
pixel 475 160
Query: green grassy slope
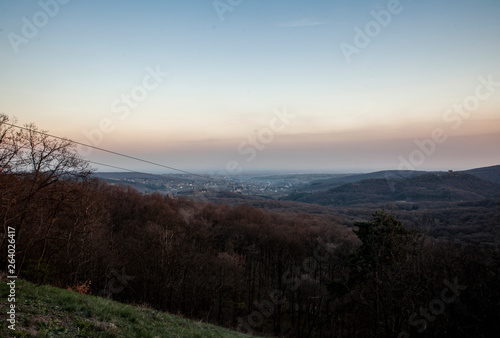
pixel 49 311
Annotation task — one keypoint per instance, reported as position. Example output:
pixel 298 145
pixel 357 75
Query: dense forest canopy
pixel 282 273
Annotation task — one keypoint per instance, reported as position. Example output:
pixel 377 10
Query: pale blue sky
pixel 226 78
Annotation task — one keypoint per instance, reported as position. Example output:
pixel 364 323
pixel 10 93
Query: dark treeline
pixel 290 274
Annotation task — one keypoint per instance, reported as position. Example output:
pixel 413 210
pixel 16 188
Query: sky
pixel 240 85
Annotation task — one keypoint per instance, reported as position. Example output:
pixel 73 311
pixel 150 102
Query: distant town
pixel 197 187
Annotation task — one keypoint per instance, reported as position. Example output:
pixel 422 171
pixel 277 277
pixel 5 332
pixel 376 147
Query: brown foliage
pixel 221 263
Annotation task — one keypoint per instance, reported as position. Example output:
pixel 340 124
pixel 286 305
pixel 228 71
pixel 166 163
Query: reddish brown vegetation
pixel 290 273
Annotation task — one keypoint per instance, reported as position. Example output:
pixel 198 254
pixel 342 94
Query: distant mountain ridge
pixel 324 185
pixel 428 187
pixel 488 173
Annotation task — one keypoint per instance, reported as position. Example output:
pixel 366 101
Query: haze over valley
pixel 232 168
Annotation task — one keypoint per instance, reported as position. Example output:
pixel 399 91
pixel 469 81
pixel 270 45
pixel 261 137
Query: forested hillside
pixel 488 173
pixel 283 273
pixel 429 187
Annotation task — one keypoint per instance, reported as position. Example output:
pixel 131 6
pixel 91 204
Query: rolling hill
pixel 488 173
pixel 324 185
pixel 428 187
pixel 49 311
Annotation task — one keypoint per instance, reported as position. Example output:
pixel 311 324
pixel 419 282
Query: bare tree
pixel 31 162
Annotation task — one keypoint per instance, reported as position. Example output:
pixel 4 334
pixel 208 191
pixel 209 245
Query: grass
pixel 47 311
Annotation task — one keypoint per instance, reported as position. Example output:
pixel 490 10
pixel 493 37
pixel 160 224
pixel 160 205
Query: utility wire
pixel 120 168
pixel 130 170
pixel 110 152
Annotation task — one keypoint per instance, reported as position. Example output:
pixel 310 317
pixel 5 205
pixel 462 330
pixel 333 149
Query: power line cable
pixel 116 167
pixel 130 170
pixel 110 152
pixel 124 155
